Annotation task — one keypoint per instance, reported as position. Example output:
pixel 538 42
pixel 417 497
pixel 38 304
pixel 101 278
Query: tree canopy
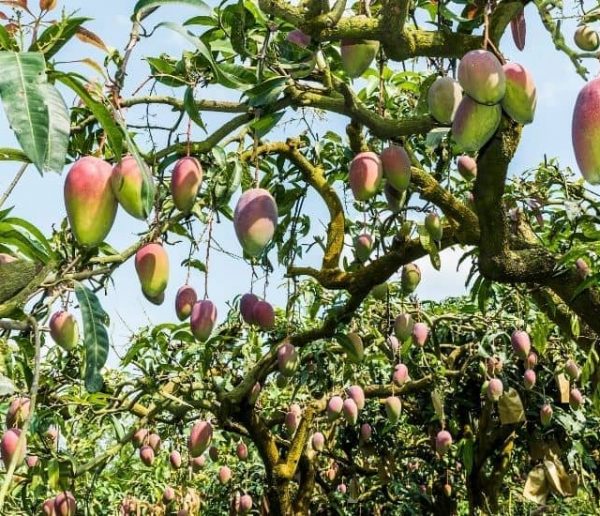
pixel 355 395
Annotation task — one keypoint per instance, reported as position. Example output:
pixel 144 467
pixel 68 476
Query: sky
pixel 40 200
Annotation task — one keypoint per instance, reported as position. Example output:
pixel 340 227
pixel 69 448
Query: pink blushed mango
pixel 152 267
pixel 127 181
pixel 356 393
pixel 65 504
pixel 520 99
pixel 200 438
pixel 17 412
pixel 64 330
pixel 363 245
pixel 481 76
pixel 365 175
pixel 393 407
pixel 443 98
pixel 585 131
pixel 147 455
pixel 185 183
pixel 185 299
pixel 263 315
pixel 474 124
pixel 334 408
pixel 10 449
pixel 299 38
pixel 443 441
pixel 202 321
pixel 287 359
pixel 467 167
pixel 255 220
pixel 247 303
pixel 89 199
pixel 396 167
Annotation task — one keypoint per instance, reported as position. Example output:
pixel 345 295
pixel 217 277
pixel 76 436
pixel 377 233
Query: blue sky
pixel 39 199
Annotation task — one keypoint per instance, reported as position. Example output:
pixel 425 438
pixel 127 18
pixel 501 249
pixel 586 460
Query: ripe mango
pixel 64 330
pixel 396 167
pixel 255 220
pixel 185 300
pixel 474 124
pixel 443 98
pixel 365 175
pixel 152 267
pixel 185 183
pixel 520 99
pixel 584 131
pixel 481 76
pixel 357 55
pixel 127 180
pixel 202 322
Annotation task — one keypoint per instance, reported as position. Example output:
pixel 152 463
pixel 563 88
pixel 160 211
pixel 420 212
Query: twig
pixel 13 183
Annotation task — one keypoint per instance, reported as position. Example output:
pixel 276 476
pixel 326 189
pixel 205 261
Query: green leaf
pixel 146 7
pixel 95 336
pixel 189 104
pixel 266 92
pixel 58 131
pixel 7 42
pixel 24 101
pixel 35 232
pixel 99 110
pixel 265 123
pixel 53 474
pixel 56 36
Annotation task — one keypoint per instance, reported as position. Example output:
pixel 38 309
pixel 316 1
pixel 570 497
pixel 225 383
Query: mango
pixel 582 267
pixel 495 389
pixel 586 38
pixel 17 413
pixel 65 504
pixel 247 303
pixel 546 414
pixel 380 291
pixel 350 411
pixel 410 278
pixel 152 267
pixel 147 455
pixel 443 98
pixel 481 76
pixel 32 461
pixel 585 131
pixel 185 183
pixel 198 463
pixel 200 438
pixel 403 326
pixel 168 495
pixel 400 375
pixel 299 38
pixel 9 449
pixel 365 175
pixel 127 180
pixel 90 202
pixel 156 300
pixel 393 408
pixel 467 167
pixel 255 220
pixel 356 393
pixel 363 245
pixel 241 451
pixel 48 507
pixel 140 437
pixel 531 360
pixel 185 299
pixel 357 352
pixel 393 343
pixel 443 441
pixel 366 431
pixel 64 330
pixel 224 474
pixel 263 315
pixel 245 504
pixel 420 332
pixel 357 55
pixel 396 167
pixel 287 359
pixel 154 442
pixel 529 378
pixel 521 343
pixel 318 441
pixel 342 488
pixel 175 459
pixel 203 319
pixel 571 369
pixel 291 422
pixel 474 124
pixel 6 258
pixel 334 408
pixel 520 99
pixel 575 400
pixel 433 226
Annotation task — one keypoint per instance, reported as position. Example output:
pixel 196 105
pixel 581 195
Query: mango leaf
pixel 95 336
pixel 53 474
pixel 265 123
pixel 99 110
pixel 510 408
pixel 266 92
pixel 35 233
pixel 87 36
pixel 58 131
pixel 7 42
pixel 518 27
pixel 24 101
pixel 437 400
pixel 146 7
pixel 56 36
pixel 189 104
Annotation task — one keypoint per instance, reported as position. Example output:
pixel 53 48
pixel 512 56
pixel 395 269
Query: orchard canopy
pixel 320 159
